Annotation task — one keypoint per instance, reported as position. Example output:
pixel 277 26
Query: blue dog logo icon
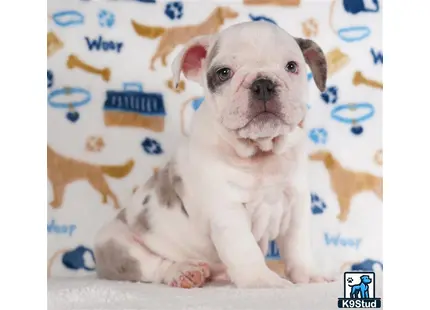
pixel 361 289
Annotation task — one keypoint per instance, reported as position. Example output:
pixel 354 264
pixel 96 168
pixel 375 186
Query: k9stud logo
pixel 359 291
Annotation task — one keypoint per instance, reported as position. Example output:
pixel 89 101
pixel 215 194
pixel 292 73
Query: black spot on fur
pixel 183 208
pixel 113 262
pixel 212 79
pixel 146 199
pixel 142 221
pixel 121 216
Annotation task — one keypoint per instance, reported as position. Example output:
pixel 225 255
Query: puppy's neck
pixel 247 148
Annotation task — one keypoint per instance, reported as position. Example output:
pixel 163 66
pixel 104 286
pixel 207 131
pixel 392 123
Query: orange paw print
pixel 179 89
pixel 94 144
pixel 310 28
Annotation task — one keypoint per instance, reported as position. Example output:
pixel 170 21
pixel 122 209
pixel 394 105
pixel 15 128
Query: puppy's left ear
pixel 190 60
pixel 314 57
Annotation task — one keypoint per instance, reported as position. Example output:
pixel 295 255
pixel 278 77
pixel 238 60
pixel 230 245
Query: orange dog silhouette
pixel 171 37
pixel 63 170
pixel 346 183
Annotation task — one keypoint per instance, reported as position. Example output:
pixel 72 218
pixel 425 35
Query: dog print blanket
pixel 115 117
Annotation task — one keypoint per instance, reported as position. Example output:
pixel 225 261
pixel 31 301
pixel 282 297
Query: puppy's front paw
pixel 187 275
pixel 303 275
pixel 263 279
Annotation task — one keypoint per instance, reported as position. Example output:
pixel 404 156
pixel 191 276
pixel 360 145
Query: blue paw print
pixel 317 205
pixel 50 78
pixel 152 147
pixel 174 10
pixel 318 135
pixel 330 95
pixel 106 19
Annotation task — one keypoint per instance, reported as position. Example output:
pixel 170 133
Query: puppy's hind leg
pixel 121 260
pixel 132 262
pixel 124 259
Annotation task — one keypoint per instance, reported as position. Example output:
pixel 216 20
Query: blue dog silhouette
pixel 361 289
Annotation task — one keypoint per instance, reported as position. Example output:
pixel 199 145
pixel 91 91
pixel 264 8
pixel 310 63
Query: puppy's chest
pixel 269 176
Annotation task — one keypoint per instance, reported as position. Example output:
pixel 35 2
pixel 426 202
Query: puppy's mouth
pixel 263 125
pixel 264 117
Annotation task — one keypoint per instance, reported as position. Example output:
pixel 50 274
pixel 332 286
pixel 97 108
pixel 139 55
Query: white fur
pixel 236 203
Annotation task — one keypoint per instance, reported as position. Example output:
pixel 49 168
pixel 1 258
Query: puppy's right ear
pixel 190 60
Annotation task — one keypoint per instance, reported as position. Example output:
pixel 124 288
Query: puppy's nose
pixel 263 89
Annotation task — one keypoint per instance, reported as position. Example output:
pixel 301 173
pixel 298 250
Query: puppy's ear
pixel 314 57
pixel 190 59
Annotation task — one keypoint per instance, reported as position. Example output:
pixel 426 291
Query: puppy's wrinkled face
pixel 254 75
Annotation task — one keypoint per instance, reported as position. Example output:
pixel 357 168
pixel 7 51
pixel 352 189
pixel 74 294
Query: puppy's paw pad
pixel 182 282
pixel 187 275
pixel 196 277
pixel 185 282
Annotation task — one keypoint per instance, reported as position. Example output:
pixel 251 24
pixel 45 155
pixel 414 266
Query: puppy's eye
pixel 291 67
pixel 224 74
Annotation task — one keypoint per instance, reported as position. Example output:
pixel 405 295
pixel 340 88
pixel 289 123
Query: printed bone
pixel 359 79
pixel 74 62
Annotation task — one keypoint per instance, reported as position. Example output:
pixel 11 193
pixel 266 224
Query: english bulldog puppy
pixel 239 180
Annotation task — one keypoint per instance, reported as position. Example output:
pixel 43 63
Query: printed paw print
pixel 317 205
pixel 94 144
pixel 318 135
pixel 350 280
pixel 330 95
pixel 152 147
pixel 106 19
pixel 174 10
pixel 50 79
pixel 310 28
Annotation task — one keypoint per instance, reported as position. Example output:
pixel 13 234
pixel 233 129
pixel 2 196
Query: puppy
pixel 239 180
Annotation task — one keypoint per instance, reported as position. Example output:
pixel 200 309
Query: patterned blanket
pixel 114 116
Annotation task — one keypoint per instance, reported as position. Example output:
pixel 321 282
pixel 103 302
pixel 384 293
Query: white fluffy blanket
pixel 92 294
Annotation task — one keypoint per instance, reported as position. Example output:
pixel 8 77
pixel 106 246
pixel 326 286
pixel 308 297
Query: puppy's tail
pixel 147 31
pixel 120 171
